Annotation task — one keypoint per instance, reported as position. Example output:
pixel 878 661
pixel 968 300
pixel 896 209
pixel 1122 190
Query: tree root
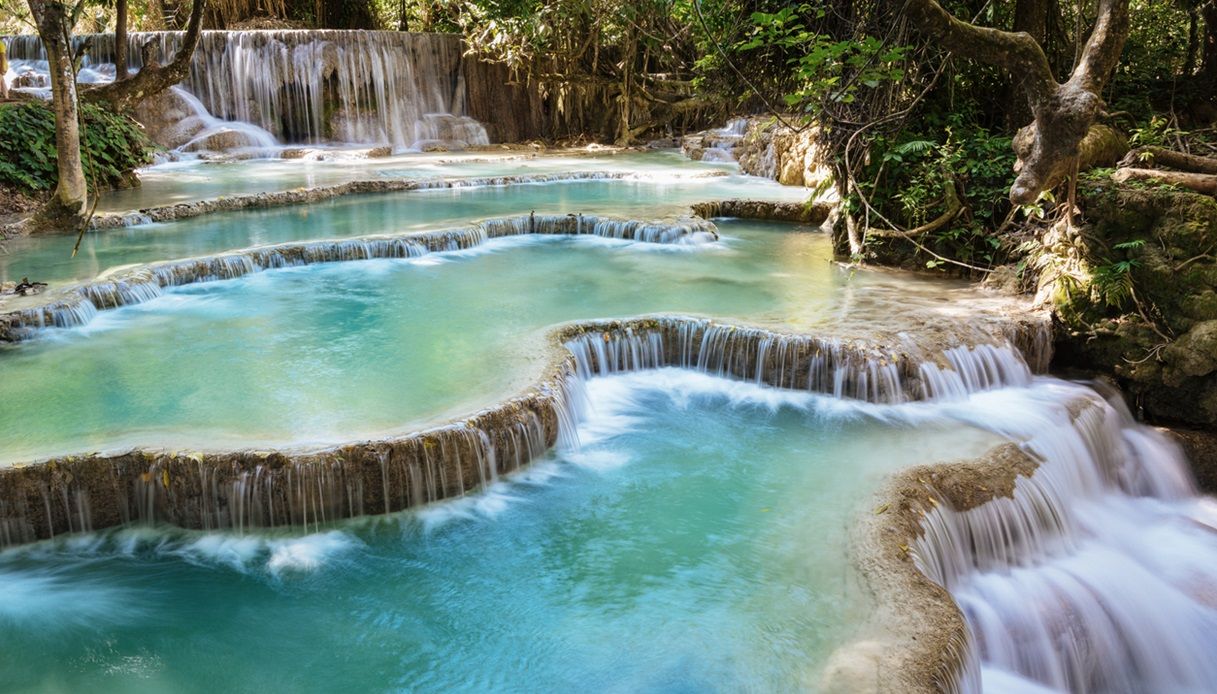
pixel 1158 158
pixel 1197 182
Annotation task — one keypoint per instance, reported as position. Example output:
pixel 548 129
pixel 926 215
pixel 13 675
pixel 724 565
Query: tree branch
pixel 1017 53
pixel 153 79
pixel 1064 113
pixel 1102 52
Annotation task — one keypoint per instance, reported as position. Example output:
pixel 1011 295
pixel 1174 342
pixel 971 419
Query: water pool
pixel 347 351
pixel 695 542
pixel 49 258
pixel 188 181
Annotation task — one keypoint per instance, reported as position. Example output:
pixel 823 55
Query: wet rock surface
pixel 784 153
pixel 764 146
pixel 804 213
pixel 919 637
pixel 1201 450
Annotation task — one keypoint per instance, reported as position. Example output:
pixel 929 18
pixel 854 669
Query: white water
pixel 721 142
pixel 1100 574
pixel 392 88
pixel 207 126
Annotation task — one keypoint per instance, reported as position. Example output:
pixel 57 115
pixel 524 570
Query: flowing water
pixel 391 88
pixel 1099 574
pixel 663 189
pixel 695 542
pixel 191 180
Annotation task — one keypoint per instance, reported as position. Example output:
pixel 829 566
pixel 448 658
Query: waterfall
pixel 841 368
pixel 314 87
pixel 245 489
pixel 1099 574
pixel 202 130
pixel 717 145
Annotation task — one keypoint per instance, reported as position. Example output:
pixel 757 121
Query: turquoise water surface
pixel 695 543
pixel 341 352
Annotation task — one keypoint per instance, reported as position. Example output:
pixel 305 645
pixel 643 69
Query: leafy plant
pixel 112 146
pixel 1156 132
pixel 1112 282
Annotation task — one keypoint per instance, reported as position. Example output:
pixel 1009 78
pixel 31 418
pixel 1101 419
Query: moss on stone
pixel 1160 343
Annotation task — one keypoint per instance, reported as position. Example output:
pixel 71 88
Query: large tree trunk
pixel 1209 65
pixel 153 79
pixel 1063 112
pixel 67 209
pixel 120 40
pixel 1030 16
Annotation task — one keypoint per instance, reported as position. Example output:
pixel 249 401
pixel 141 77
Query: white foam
pixel 308 553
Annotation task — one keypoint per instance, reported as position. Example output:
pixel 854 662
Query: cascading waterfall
pixel 204 128
pixel 840 368
pixel 1098 574
pixel 368 87
pixel 722 144
pixel 250 489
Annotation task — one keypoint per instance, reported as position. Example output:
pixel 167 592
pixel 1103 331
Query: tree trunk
pixel 120 40
pixel 1209 65
pixel 67 209
pixel 1193 41
pixel 153 79
pixel 1063 112
pixel 627 88
pixel 3 69
pixel 1031 17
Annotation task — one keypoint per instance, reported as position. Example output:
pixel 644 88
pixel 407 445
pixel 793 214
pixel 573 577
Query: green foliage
pixel 113 146
pixel 823 67
pixel 1155 132
pixel 907 176
pixel 1111 283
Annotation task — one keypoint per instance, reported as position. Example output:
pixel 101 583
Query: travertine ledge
pixel 243 489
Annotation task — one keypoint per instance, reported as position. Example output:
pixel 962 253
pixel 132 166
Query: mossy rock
pixel 1169 367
